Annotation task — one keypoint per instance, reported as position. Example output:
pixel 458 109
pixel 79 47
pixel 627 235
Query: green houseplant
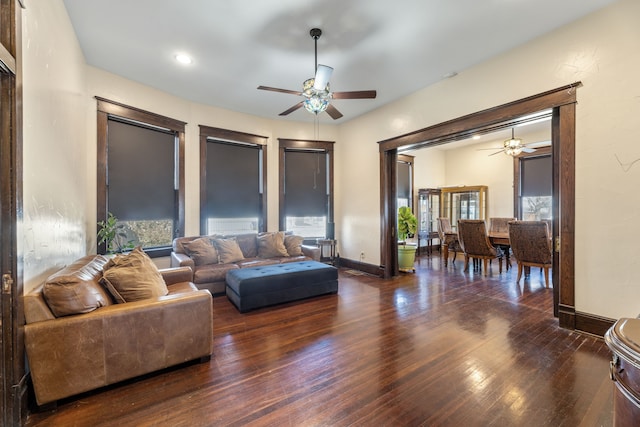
pixel 113 235
pixel 407 225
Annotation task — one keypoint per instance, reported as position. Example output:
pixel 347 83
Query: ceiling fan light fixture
pixel 513 146
pixel 316 104
pixel 309 89
pixel 316 101
pixel 323 75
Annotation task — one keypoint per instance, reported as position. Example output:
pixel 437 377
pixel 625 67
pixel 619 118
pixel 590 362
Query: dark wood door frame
pixel 13 377
pixel 562 101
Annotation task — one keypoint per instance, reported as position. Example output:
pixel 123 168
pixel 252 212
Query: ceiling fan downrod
pixel 315 34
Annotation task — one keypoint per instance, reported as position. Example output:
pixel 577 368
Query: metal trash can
pixel 623 338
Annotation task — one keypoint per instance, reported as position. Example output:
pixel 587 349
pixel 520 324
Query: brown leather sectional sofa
pixel 111 342
pixel 211 276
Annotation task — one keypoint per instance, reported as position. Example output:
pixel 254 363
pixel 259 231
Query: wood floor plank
pixel 438 347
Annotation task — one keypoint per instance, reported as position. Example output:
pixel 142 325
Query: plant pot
pixel 406 257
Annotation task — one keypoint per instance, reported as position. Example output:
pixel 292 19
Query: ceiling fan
pixel 316 92
pixel 512 147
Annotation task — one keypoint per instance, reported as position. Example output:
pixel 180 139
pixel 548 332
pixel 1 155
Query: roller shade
pixel 536 174
pixel 305 187
pixel 233 180
pixel 404 180
pixel 140 172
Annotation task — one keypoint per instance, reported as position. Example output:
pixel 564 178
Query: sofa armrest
pixel 312 252
pixel 176 275
pixel 181 260
pixel 74 354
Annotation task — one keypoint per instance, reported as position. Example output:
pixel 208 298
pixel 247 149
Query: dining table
pixel 501 240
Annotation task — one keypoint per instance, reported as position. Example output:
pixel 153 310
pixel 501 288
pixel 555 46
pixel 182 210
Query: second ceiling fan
pixel 316 91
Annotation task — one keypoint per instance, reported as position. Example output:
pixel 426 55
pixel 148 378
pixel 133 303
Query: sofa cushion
pixel 271 245
pixel 76 289
pixel 201 251
pixel 212 273
pixel 293 244
pixel 133 277
pixel 228 250
pixel 248 244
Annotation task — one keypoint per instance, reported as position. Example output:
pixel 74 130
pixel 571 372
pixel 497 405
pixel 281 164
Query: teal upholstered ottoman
pixel 250 288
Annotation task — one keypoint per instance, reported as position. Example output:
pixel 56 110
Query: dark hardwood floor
pixel 438 347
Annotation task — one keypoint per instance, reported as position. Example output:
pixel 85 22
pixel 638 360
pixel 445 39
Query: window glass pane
pixel 536 208
pixel 232 225
pixel 402 202
pixel 141 183
pixel 309 226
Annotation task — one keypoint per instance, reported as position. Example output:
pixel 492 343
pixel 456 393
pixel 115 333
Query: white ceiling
pixel 395 47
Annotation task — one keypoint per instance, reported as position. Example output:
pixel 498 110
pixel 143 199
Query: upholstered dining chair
pixel 531 246
pixel 472 234
pixel 448 240
pixel 500 226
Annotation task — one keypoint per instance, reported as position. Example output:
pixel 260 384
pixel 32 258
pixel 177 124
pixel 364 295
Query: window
pixel 405 181
pixel 232 182
pixel 306 188
pixel 141 175
pixel 535 196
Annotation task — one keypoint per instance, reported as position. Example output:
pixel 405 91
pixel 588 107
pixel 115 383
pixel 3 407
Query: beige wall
pixel 599 50
pixel 57 185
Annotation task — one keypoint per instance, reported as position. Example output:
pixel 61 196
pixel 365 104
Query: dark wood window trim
pixel 106 109
pixel 562 101
pixel 301 144
pixel 232 136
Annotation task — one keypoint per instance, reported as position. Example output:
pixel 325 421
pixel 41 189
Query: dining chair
pixel 472 234
pixel 531 246
pixel 500 226
pixel 448 240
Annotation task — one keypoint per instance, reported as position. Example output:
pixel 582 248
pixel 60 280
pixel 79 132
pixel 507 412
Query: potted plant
pixel 113 235
pixel 407 225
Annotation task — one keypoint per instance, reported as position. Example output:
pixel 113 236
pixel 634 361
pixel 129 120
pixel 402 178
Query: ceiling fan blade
pixel 292 109
pixel 528 150
pixel 275 89
pixel 539 144
pixel 493 154
pixel 333 112
pixel 323 74
pixel 357 94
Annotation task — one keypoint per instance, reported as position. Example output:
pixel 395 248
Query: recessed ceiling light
pixel 183 58
pixel 449 75
pixel 476 137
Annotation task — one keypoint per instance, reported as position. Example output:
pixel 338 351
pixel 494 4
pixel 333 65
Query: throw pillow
pixel 76 289
pixel 271 245
pixel 293 244
pixel 133 277
pixel 201 251
pixel 228 250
